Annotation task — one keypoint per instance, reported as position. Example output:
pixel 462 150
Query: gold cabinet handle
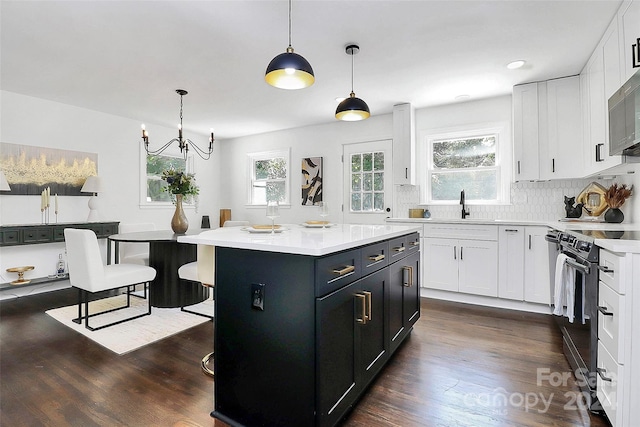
pixel 345 270
pixel 407 279
pixel 362 299
pixel 399 248
pixel 367 294
pixel 415 243
pixel 376 258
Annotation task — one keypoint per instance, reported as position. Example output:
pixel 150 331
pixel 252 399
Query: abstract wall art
pixel 29 169
pixel 311 181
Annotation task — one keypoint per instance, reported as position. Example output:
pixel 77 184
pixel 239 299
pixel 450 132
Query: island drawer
pixel 336 270
pixel 404 246
pixel 375 257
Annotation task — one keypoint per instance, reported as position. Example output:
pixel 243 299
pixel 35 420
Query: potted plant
pixel 180 185
pixel 615 197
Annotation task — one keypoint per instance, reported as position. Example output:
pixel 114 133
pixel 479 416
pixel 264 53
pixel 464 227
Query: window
pixel 467 160
pixel 269 177
pixel 151 182
pixel 367 182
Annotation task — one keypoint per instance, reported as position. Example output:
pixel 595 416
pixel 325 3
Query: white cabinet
pixel 629 27
pixel 524 264
pixel 404 145
pixel 461 258
pixel 619 337
pixel 511 262
pixel 545 118
pixel 601 78
pixel 525 132
pixel 561 150
pixel 537 288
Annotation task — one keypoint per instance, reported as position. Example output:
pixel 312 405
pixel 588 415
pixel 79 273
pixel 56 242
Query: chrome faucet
pixel 465 212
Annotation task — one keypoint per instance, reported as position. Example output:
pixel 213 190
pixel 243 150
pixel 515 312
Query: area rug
pixel 131 335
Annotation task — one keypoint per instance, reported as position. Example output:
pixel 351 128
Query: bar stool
pixel 201 271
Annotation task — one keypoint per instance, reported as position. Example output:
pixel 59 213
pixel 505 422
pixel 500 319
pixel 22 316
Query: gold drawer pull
pixel 407 279
pixel 399 248
pixel 376 257
pixel 367 294
pixel 415 243
pixel 345 270
pixel 363 299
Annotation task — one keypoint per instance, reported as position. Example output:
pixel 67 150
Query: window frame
pixel 143 202
pixel 252 158
pixel 502 166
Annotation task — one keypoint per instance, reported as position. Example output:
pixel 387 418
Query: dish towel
pixel 564 292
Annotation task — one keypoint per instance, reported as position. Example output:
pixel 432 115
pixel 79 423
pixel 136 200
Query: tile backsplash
pixel 535 201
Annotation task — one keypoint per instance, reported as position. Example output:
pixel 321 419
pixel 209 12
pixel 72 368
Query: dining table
pixel 166 255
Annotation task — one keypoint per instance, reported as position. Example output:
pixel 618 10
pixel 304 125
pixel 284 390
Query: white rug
pixel 131 335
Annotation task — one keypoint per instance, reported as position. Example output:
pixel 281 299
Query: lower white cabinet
pixel 524 264
pixel 619 337
pixel 461 265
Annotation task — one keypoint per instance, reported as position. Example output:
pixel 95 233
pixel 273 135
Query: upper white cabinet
pixel 600 78
pixel 629 33
pixel 525 132
pixel 404 145
pixel 546 116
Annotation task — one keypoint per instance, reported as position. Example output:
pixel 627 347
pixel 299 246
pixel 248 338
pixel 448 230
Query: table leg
pixel 166 258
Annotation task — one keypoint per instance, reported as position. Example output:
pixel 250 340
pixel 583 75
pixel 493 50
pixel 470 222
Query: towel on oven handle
pixel 565 290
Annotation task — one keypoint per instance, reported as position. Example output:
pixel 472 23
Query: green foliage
pixel 179 182
pixel 465 153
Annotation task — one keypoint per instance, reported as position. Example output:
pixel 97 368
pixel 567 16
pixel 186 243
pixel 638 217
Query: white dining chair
pixel 134 253
pixel 90 276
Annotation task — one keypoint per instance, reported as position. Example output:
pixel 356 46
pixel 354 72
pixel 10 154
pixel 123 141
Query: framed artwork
pixel 311 181
pixel 30 169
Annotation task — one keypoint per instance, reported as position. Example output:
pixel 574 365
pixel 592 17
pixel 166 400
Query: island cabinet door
pixel 351 343
pixel 404 298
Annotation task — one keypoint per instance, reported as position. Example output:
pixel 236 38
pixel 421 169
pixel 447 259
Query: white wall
pixel 37 122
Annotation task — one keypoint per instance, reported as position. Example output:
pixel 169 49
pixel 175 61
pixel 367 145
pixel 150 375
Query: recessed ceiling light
pixel 462 97
pixel 515 64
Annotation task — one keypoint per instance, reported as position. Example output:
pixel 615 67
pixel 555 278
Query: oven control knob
pixel 584 246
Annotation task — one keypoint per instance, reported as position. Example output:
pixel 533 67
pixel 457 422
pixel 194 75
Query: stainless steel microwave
pixel 624 119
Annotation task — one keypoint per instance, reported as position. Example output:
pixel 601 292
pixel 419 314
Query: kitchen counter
pixel 300 240
pixel 616 245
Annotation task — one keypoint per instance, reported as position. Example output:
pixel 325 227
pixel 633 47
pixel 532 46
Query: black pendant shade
pixel 352 109
pixel 289 71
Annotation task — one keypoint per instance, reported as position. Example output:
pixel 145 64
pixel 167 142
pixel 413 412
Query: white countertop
pixel 297 239
pixel 614 245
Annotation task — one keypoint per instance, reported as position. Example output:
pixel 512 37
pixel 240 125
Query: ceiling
pixel 128 57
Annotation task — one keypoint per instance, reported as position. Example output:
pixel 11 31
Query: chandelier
pixel 184 144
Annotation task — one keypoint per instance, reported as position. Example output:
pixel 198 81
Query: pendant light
pixel 289 70
pixel 352 109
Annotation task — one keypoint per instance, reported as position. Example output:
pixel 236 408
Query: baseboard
pixel 485 301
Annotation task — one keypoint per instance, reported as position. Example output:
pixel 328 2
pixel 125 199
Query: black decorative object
pixel 206 223
pixel 571 210
pixel 614 215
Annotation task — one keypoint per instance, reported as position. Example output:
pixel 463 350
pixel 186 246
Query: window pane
pixel 367 162
pixel 259 191
pixel 378 201
pixel 356 182
pixel 356 163
pixel 477 185
pixel 155 183
pixel 367 202
pixel 465 153
pixel 276 191
pixel 378 181
pixel 275 168
pixel 367 184
pixel 356 202
pixel 378 161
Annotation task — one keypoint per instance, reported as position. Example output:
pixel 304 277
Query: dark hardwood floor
pixel 462 366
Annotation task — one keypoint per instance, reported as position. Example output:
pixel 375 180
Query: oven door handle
pixel 578 266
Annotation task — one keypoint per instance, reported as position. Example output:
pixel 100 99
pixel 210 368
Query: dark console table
pixel 32 234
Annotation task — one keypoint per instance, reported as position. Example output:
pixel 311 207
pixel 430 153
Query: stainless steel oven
pixel 580 336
